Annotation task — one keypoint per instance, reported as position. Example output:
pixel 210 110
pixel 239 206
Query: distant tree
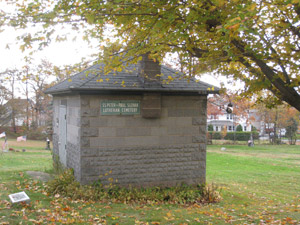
pixel 291 130
pixel 10 77
pixel 276 119
pixel 38 77
pixel 4 94
pixel 239 128
pixel 253 128
pixel 4 97
pixel 224 132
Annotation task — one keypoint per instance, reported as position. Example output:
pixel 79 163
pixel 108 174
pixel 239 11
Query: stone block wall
pixel 55 137
pixel 166 150
pixel 73 131
pixel 73 134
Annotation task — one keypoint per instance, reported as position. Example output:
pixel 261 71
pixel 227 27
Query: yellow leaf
pixel 252 7
pixel 234 27
pixel 170 78
pixel 212 8
pixel 169 214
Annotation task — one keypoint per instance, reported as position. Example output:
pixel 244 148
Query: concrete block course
pixel 107 132
pixel 84 101
pixel 91 112
pixel 85 142
pixel 141 122
pixel 89 132
pixel 151 105
pixel 139 151
pixel 137 131
pixel 199 139
pixel 191 112
pixel 158 131
pixel 145 140
pixel 97 121
pixel 199 121
pixel 144 164
pixel 116 121
pixel 186 130
pixel 202 129
pixel 84 122
pixel 175 139
pixel 176 112
pixel 183 121
pixel 106 142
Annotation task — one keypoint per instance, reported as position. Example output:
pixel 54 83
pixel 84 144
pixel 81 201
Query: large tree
pixel 256 41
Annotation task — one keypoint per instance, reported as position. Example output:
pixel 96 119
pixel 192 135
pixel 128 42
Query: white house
pixel 227 120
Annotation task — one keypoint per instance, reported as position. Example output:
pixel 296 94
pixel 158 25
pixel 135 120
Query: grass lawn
pixel 259 185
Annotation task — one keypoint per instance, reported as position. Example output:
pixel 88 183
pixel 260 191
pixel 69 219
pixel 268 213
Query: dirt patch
pixel 37 175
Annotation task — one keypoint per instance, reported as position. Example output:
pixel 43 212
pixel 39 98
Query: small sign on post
pixel 19 197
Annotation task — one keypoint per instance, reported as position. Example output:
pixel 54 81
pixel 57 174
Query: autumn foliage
pixel 256 42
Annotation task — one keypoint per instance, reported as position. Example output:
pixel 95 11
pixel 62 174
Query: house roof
pixel 93 79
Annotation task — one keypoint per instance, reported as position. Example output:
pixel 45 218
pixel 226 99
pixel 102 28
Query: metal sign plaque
pixel 120 107
pixel 19 197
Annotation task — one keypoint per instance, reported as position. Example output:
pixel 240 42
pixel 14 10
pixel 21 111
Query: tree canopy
pixel 256 41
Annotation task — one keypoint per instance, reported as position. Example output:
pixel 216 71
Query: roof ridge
pixel 89 77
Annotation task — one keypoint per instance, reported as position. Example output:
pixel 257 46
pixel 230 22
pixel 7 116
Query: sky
pixel 61 53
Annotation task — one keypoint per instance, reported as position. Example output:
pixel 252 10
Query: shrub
pixel 66 186
pixel 291 130
pixel 215 135
pixel 239 128
pixel 241 136
pixel 210 127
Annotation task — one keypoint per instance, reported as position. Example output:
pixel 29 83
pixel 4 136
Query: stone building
pixel 142 129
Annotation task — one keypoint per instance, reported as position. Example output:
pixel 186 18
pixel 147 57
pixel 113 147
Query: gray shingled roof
pixel 93 79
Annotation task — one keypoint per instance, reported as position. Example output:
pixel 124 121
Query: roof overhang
pixel 72 91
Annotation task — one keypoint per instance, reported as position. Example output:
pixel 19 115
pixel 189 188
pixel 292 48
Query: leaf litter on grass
pixel 240 206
